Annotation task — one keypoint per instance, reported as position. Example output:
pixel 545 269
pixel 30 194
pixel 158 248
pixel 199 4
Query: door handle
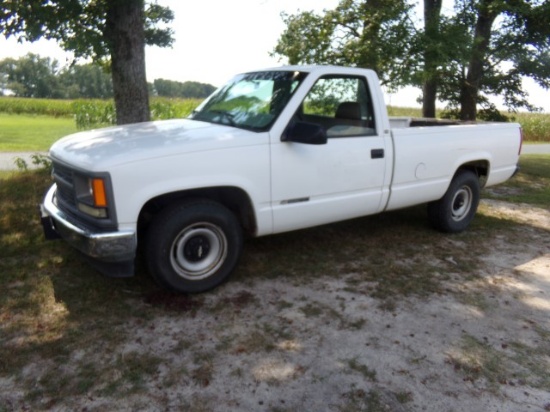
pixel 377 153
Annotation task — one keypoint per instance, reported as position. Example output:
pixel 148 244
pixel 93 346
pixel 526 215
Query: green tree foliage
pixel 500 42
pixel 112 32
pixel 86 81
pixel 376 34
pixel 30 76
pixel 483 49
pixel 186 90
pixel 35 76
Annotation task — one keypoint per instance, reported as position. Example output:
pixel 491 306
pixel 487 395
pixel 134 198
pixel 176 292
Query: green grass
pixel 29 133
pixel 26 125
pixel 404 111
pixel 478 360
pixel 531 185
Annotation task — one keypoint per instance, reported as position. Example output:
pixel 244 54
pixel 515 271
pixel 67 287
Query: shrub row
pixel 536 126
pixel 47 107
pixel 90 113
pixel 96 113
pixel 93 113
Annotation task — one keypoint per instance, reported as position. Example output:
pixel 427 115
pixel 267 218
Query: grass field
pixel 34 124
pixel 28 133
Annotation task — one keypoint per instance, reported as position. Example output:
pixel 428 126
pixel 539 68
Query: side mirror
pixel 304 132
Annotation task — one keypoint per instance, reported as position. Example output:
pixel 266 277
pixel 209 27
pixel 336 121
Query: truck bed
pixel 404 122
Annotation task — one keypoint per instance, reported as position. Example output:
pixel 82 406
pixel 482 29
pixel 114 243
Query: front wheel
pixel 456 209
pixel 193 246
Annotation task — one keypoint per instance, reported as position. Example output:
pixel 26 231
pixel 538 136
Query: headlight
pixel 91 196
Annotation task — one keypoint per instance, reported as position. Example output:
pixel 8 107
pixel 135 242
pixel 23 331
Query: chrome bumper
pixel 106 247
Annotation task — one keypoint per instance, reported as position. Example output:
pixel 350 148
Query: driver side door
pixel 314 184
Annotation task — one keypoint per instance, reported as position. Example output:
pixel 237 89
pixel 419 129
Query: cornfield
pixel 96 113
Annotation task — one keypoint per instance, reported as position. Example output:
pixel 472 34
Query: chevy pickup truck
pixel 271 151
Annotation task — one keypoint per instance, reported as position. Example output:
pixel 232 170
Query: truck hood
pixel 98 150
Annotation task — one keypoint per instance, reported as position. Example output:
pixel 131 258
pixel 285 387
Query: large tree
pixel 487 12
pixel 499 43
pixel 375 34
pixel 112 32
pixel 484 49
pixel 432 50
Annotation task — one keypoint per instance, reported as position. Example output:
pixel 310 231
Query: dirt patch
pixel 480 341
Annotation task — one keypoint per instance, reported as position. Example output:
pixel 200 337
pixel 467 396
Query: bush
pixel 536 126
pixel 90 113
pixel 97 113
pixel 47 107
pixel 93 113
pixel 165 108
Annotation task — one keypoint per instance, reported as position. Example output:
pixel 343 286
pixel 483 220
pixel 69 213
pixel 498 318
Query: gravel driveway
pixel 7 159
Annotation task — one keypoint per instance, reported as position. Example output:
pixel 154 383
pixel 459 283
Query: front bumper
pixel 113 253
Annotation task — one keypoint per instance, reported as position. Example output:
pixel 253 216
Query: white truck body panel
pixel 428 157
pixel 152 159
pixel 340 183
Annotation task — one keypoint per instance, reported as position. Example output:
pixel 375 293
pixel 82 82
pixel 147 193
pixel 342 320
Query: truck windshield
pixel 250 101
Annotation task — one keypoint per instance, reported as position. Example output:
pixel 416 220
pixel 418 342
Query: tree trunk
pixel 429 96
pixel 125 31
pixel 371 36
pixel 482 36
pixel 432 13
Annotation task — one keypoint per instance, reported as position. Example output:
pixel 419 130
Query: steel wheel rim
pixel 198 251
pixel 462 203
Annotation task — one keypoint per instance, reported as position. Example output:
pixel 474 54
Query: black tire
pixel 193 246
pixel 456 209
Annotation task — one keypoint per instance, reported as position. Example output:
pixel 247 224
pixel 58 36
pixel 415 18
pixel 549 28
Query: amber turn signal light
pixel 98 190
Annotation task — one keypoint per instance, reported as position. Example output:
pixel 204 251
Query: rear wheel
pixel 456 209
pixel 193 246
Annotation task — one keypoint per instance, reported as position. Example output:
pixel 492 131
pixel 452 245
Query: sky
pixel 216 39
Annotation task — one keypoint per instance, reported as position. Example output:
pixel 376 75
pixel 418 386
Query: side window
pixel 342 105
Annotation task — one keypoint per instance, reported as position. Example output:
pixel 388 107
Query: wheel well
pixel 479 167
pixel 233 198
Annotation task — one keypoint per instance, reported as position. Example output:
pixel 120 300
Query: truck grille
pixel 66 197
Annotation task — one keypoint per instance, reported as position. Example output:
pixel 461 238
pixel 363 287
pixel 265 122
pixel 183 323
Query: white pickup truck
pixel 271 151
